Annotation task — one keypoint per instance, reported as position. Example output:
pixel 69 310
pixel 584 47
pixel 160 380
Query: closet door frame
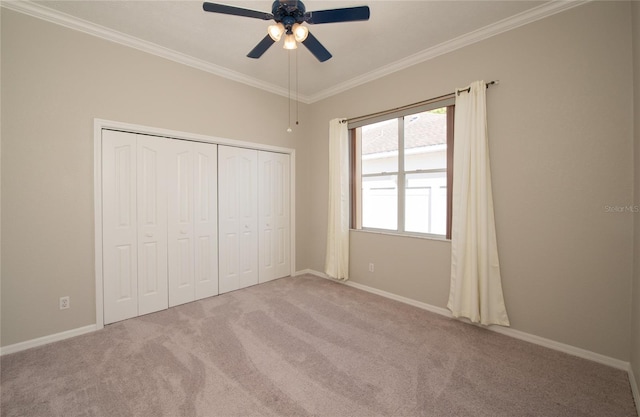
pixel 101 124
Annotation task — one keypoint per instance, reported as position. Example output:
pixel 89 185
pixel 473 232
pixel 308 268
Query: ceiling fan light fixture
pixel 300 32
pixel 276 31
pixel 290 16
pixel 290 41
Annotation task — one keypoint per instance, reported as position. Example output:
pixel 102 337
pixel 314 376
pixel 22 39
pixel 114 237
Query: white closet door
pixel 180 223
pixel 152 223
pixel 238 217
pixel 206 219
pixel 120 252
pixel 274 208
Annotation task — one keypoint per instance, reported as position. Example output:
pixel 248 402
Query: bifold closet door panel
pixel 119 226
pixel 134 225
pixel 274 213
pixel 180 223
pixel 237 217
pixel 206 219
pixel 193 229
pixel 152 223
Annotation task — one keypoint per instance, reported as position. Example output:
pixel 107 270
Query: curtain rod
pixel 409 106
pixel 466 90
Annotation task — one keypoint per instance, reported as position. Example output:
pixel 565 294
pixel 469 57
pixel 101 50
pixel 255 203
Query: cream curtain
pixel 476 285
pixel 337 260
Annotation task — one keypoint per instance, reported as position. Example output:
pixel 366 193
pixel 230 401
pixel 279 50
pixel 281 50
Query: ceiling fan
pixel 289 16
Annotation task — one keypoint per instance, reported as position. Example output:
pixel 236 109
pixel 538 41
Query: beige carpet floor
pixel 304 346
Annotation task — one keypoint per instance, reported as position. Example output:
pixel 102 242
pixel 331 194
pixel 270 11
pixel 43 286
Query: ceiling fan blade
pixel 261 47
pixel 235 11
pixel 316 48
pixel 347 14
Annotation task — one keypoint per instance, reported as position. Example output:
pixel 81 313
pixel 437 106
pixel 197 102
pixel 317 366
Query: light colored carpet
pixel 304 346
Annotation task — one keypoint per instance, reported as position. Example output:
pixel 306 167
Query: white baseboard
pixel 552 344
pixel 527 337
pixel 634 390
pixel 45 340
pixel 17 347
pixel 562 347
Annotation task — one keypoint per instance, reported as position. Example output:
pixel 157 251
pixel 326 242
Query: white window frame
pixel 400 174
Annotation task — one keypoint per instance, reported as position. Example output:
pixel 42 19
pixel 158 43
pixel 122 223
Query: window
pixel 399 169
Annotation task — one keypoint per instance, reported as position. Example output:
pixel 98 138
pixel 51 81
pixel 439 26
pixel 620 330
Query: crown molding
pixel 505 25
pixel 53 16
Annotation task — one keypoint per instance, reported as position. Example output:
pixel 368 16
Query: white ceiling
pixel 399 33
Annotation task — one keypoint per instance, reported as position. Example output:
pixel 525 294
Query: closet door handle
pixel 183 231
pixel 148 234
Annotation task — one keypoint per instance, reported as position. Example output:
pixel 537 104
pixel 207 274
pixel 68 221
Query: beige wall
pixel 560 126
pixel 55 81
pixel 635 318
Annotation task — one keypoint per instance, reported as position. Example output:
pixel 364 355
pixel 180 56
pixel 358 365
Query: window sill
pixel 395 234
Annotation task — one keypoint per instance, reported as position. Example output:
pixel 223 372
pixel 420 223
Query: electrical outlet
pixel 64 303
pixel 371 267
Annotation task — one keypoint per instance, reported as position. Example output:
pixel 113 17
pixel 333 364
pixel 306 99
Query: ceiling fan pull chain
pixel 297 87
pixel 289 88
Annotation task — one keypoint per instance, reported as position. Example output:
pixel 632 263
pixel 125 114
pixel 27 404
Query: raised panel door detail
pixel 185 264
pixel 123 166
pixel 281 253
pixel 248 253
pixel 125 274
pixel 204 255
pixel 283 219
pixel 183 170
pixel 229 223
pixel 120 292
pixel 238 201
pixel 206 220
pixel 274 238
pixel 204 181
pixel 152 224
pixel 267 240
pixel 246 263
pixel 149 183
pixel 230 259
pixel 149 284
pixel 180 222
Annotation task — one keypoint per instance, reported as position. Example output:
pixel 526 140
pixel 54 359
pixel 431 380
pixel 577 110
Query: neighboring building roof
pixel 422 129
